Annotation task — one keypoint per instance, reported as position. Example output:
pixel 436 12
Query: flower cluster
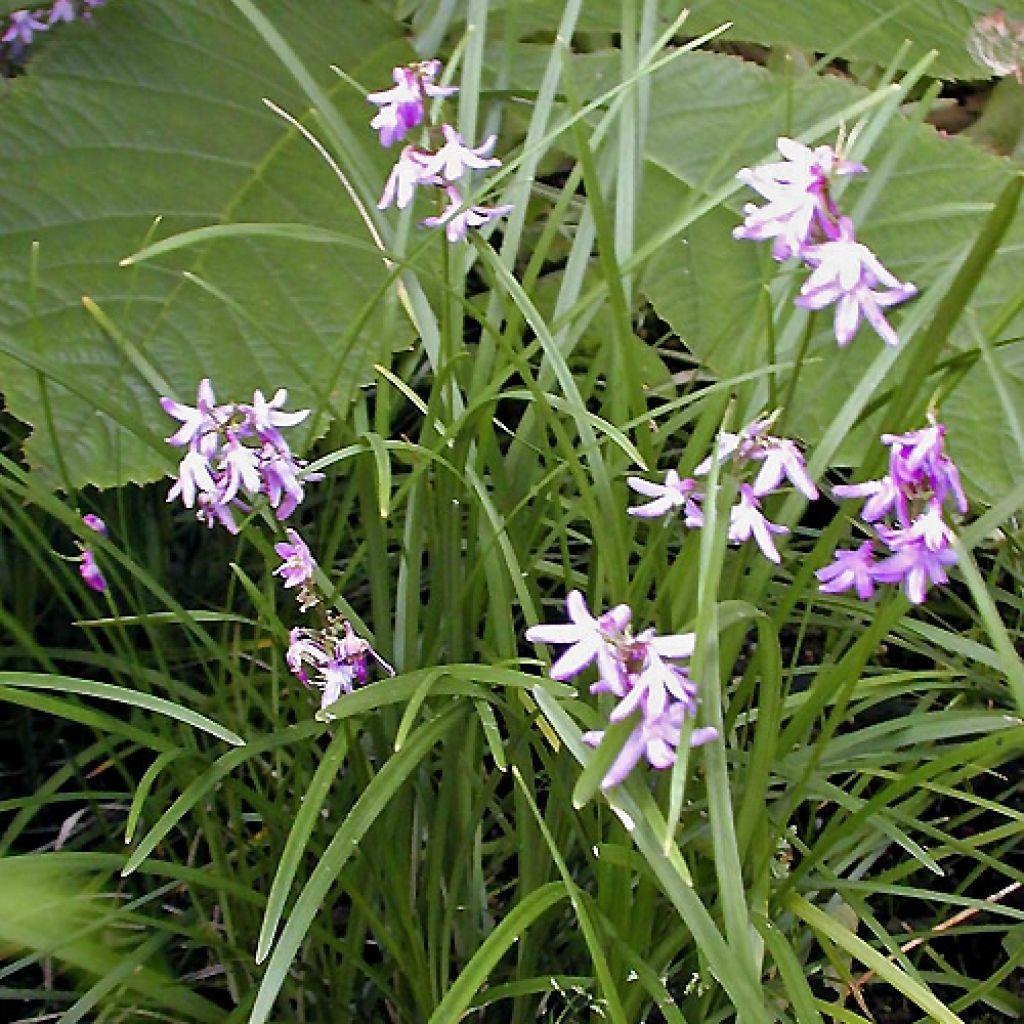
pixel 997 43
pixel 87 567
pixel 776 459
pixel 911 498
pixel 333 659
pixel 803 220
pixel 23 25
pixel 403 108
pixel 639 671
pixel 236 449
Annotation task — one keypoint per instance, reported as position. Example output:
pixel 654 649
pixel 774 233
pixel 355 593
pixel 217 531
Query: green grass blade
pixel 915 991
pixel 298 837
pixel 473 976
pixel 368 807
pixel 106 691
pixel 199 787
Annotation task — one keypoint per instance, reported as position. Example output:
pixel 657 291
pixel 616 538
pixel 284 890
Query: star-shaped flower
pixel 457 221
pixel 588 639
pixel 847 274
pixel 298 566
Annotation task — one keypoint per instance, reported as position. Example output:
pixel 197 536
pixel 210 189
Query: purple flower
pixel 672 494
pixel 655 739
pixel 457 221
pixel 653 682
pixel 850 569
pixel 915 564
pixel 239 467
pixel 95 523
pixel 407 173
pixel 747 444
pixel 348 665
pixel 402 107
pixel 781 458
pixel 928 528
pixel 589 638
pixel 921 476
pixel 338 658
pixel 846 273
pixel 303 650
pixel 338 678
pixel 87 567
pixel 24 24
pixel 263 417
pixel 235 449
pixel 454 157
pixel 917 463
pixel 637 670
pixel 298 566
pixel 211 511
pixel 206 418
pixel 797 192
pixel 90 572
pixel 746 519
pixel 194 475
pixel 881 496
pixel 283 478
pixel 62 10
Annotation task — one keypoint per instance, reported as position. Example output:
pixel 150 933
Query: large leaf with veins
pixel 934 202
pixel 871 31
pixel 711 114
pixel 156 111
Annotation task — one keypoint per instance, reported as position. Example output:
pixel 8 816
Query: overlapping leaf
pixel 932 206
pixel 155 111
pixel 711 114
pixel 872 31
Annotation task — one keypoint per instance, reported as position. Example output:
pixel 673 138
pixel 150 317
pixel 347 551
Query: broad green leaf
pixel 711 114
pixel 866 30
pixel 713 290
pixel 156 111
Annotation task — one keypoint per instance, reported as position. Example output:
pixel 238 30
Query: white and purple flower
pixel 453 159
pixel 675 493
pixel 409 172
pixel 778 458
pixel 22 28
pixel 62 10
pixel 338 659
pixel 457 219
pixel 638 670
pixel 235 449
pixel 920 480
pixel 848 274
pixel 799 209
pixel 402 107
pixel 298 566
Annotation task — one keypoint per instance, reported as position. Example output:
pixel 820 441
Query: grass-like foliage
pixel 354 753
